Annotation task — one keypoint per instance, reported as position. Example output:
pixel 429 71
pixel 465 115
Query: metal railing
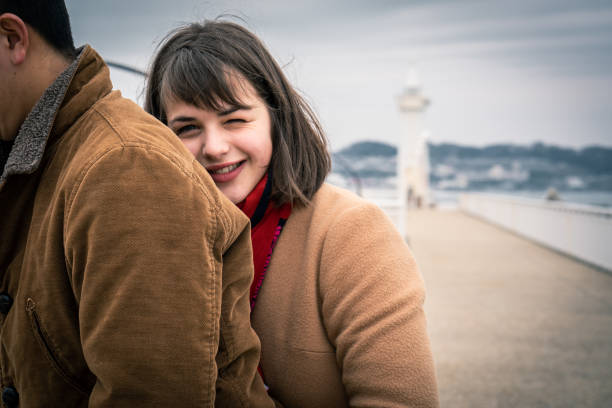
pixel 582 231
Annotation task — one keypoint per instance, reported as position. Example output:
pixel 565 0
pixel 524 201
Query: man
pixel 124 273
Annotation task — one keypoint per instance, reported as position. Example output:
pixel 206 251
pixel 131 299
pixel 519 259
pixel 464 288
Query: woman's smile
pixel 223 173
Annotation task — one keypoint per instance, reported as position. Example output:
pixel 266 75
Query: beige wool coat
pixel 123 280
pixel 340 313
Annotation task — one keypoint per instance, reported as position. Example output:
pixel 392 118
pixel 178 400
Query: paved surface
pixel 512 324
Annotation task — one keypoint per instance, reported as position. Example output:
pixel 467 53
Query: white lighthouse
pixel 413 153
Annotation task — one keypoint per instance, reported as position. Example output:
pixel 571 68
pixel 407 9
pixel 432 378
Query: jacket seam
pixel 213 307
pixel 109 122
pixel 74 191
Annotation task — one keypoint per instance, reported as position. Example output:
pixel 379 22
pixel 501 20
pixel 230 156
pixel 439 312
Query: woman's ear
pixel 14 38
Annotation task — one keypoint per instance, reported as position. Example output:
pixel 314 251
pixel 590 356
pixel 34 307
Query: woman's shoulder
pixel 329 192
pixel 338 213
pixel 333 202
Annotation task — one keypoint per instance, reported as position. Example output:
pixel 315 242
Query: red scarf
pixel 267 221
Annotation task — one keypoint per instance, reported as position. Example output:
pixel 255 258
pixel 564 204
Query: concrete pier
pixel 512 324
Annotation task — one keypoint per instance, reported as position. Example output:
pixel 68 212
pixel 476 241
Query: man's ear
pixel 14 36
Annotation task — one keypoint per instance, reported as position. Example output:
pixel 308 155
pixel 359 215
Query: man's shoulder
pixel 331 208
pixel 117 134
pixel 121 118
pixel 115 123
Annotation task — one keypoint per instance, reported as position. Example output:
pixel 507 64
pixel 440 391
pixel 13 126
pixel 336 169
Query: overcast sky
pixel 495 71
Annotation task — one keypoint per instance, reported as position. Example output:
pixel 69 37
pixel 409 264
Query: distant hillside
pixel 368 148
pixel 366 160
pixel 518 167
pixel 496 167
pixel 591 159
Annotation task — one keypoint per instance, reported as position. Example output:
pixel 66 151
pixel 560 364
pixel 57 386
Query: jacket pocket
pixel 48 350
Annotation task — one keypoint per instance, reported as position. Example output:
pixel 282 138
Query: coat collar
pixel 58 108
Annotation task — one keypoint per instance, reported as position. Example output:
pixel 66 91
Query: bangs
pixel 201 80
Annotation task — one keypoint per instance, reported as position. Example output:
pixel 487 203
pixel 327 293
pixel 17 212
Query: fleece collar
pixel 29 145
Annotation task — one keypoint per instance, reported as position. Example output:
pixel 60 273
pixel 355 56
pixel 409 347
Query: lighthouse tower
pixel 413 153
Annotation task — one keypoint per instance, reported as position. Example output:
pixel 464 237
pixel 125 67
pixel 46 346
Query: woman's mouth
pixel 225 172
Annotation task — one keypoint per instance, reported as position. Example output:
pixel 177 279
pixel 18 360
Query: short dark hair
pixel 195 64
pixel 49 18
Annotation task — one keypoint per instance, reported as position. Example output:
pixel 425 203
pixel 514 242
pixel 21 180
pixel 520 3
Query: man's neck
pixel 42 70
pixel 48 67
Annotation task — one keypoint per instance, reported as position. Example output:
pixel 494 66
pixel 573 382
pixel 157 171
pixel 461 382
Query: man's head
pixel 50 20
pixel 35 47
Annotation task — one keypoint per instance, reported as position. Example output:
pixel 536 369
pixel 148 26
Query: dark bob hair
pixel 198 63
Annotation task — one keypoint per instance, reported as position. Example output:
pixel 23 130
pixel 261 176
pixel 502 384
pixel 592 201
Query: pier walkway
pixel 512 324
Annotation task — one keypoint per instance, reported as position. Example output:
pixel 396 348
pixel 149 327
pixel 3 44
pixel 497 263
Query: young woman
pixel 336 298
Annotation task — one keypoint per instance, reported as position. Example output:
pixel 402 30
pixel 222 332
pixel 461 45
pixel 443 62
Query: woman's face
pixel 233 144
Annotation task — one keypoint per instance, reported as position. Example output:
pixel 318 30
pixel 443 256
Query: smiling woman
pixel 234 144
pixel 336 297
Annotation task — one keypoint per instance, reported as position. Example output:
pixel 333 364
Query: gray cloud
pixel 495 70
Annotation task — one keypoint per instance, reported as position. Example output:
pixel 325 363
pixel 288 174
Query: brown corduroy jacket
pixel 123 280
pixel 340 313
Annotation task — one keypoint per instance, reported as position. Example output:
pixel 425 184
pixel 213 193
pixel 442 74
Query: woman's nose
pixel 216 144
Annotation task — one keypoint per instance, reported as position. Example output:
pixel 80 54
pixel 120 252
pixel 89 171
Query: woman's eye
pixel 234 120
pixel 183 130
